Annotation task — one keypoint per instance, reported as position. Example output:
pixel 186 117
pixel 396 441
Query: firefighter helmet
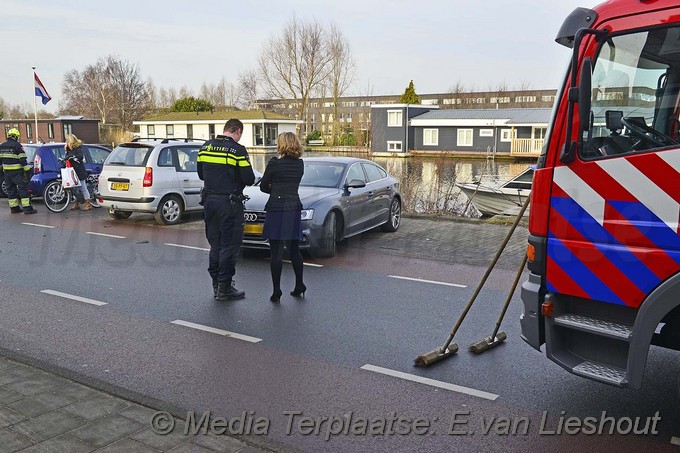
pixel 14 133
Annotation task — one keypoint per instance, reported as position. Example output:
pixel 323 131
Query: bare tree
pixel 132 93
pixel 293 64
pixel 111 89
pixel 247 89
pixel 454 96
pixel 341 74
pixel 185 92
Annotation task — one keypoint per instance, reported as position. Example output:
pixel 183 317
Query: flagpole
pixel 35 108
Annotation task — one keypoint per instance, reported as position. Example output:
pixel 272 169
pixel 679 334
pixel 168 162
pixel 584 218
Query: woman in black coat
pixel 74 154
pixel 282 224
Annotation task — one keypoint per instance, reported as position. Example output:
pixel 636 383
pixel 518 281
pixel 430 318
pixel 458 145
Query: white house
pixel 260 128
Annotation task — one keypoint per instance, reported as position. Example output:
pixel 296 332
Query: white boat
pixel 495 199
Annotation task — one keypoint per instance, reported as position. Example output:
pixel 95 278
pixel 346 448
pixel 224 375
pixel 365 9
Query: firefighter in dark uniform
pixel 224 166
pixel 16 172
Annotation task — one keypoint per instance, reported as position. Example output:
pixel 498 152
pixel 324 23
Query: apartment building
pixel 354 112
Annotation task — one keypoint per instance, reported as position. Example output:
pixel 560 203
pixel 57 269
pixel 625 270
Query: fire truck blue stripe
pixel 629 264
pixel 648 224
pixel 587 280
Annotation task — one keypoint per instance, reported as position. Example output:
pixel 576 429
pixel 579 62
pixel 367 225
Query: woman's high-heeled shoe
pixel 276 296
pixel 299 291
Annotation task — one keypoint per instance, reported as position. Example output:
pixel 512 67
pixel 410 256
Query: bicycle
pixel 58 198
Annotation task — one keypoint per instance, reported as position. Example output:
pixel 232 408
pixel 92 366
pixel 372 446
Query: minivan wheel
pixel 170 210
pixel 119 215
pixel 3 190
pixel 394 219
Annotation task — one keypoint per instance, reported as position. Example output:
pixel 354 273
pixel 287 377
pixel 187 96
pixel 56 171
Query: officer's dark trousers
pixel 224 231
pixel 17 189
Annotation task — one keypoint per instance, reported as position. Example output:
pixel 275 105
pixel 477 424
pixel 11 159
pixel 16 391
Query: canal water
pixel 428 184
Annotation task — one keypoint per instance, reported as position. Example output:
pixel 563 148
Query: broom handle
pixel 486 274
pixel 507 301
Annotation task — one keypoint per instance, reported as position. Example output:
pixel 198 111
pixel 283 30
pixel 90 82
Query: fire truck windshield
pixel 635 94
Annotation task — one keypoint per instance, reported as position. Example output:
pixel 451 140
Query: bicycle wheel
pixel 55 197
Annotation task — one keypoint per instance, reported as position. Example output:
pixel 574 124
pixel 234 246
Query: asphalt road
pixel 385 299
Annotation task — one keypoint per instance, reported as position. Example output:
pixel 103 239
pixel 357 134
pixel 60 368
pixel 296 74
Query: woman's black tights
pixel 276 262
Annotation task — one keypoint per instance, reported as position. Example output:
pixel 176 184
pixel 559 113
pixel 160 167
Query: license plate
pixel 253 228
pixel 120 186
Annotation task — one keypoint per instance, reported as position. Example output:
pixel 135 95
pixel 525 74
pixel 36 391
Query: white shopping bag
pixel 69 178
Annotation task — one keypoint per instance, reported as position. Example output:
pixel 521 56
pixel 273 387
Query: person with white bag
pixel 74 154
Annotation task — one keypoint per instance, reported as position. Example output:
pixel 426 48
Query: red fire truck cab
pixel 604 248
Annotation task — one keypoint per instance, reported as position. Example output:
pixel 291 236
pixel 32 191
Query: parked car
pixel 154 176
pixel 44 160
pixel 341 197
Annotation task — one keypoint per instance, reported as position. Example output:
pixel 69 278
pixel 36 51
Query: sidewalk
pixel 43 412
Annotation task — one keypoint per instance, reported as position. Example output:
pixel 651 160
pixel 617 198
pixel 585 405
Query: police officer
pixel 224 166
pixel 17 173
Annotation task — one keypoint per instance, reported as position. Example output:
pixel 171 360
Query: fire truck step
pixel 601 372
pixel 602 327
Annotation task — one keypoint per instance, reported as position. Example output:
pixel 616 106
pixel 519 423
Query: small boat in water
pixel 495 199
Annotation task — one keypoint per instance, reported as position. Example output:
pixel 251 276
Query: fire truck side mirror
pixel 584 93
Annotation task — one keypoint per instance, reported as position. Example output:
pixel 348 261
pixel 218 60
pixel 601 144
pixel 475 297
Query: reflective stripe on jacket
pixel 13 156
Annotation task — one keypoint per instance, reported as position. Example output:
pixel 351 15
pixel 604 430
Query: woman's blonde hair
pixel 73 142
pixel 288 144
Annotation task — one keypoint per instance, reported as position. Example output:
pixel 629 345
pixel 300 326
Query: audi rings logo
pixel 250 217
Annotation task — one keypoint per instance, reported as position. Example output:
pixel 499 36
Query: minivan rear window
pixel 129 155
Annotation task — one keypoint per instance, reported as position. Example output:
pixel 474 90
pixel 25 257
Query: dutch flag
pixel 40 90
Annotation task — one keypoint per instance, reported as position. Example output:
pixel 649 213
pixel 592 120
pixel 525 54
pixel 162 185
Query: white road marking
pixel 37 225
pixel 72 297
pixel 675 440
pixel 105 235
pixel 187 247
pixel 306 264
pixel 226 333
pixel 432 382
pixel 427 281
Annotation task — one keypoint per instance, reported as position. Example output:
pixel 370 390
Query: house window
pixel 211 131
pixel 67 129
pixel 190 131
pixel 257 135
pixel 50 130
pixel 508 134
pixel 29 131
pixel 150 130
pixel 271 132
pixel 430 137
pixel 169 130
pixel 393 146
pixel 486 132
pixel 464 137
pixel 394 118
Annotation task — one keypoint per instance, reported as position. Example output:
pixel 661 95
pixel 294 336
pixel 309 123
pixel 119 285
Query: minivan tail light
pixel 36 164
pixel 148 177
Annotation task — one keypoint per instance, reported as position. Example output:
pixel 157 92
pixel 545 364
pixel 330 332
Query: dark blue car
pixel 44 158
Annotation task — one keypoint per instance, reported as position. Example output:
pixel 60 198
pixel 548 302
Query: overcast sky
pixel 437 43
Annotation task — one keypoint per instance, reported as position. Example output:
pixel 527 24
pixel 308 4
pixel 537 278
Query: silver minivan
pixel 154 176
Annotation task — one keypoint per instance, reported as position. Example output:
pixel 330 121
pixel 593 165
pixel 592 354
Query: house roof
pixel 508 116
pixel 243 115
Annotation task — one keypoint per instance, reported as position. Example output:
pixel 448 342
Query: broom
pixel 450 348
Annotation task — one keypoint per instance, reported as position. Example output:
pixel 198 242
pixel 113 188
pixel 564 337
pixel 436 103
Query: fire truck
pixel 604 244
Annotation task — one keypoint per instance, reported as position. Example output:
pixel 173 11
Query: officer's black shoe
pixel 29 210
pixel 226 291
pixel 15 209
pixel 214 283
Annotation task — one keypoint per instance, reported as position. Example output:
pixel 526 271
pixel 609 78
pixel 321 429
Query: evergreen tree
pixel 410 96
pixel 191 104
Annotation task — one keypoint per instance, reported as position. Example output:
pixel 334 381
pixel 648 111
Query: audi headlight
pixel 307 214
